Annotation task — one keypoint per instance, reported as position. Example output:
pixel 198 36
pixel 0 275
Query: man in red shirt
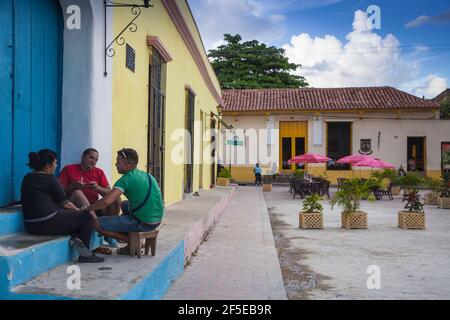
pixel 84 182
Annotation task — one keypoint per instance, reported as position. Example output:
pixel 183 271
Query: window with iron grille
pixel 156 118
pixel 130 58
pixel 189 154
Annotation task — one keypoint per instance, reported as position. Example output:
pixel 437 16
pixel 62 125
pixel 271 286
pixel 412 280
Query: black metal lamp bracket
pixel 131 26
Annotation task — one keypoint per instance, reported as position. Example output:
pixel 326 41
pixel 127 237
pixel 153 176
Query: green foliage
pixel 390 174
pixel 299 173
pixel 349 194
pixel 413 202
pixel 311 204
pixel 225 173
pixel 253 65
pixel 445 185
pixel 445 109
pixel 410 181
pixel 445 158
pixel 432 184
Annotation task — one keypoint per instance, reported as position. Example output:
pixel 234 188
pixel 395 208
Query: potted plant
pixel 435 187
pixel 413 216
pixel 311 216
pixel 443 200
pixel 224 177
pixel 348 197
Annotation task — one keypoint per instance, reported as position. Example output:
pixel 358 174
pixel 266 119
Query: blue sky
pixel 331 40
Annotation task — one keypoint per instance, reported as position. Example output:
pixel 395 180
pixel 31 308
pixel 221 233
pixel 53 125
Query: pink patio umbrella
pixel 309 158
pixel 354 158
pixel 374 163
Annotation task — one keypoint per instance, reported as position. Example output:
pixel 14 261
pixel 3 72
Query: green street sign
pixel 235 143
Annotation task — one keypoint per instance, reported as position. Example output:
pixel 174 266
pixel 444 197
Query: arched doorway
pixel 31 66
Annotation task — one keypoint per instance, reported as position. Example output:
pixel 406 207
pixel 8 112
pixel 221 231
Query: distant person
pixel 274 170
pixel 401 172
pixel 48 211
pixel 258 174
pixel 412 164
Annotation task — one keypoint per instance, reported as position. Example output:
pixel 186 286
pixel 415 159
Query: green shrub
pixel 349 195
pixel 299 173
pixel 409 183
pixel 311 204
pixel 225 173
pixel 413 202
pixel 445 185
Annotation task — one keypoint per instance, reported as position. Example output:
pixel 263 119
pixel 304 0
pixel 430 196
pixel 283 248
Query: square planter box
pixel 223 182
pixel 395 191
pixel 267 187
pixel 310 220
pixel 355 220
pixel 431 198
pixel 411 220
pixel 443 203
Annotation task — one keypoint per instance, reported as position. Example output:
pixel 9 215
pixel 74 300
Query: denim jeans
pixel 125 223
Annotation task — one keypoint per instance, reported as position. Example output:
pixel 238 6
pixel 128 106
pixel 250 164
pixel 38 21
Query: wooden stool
pixel 136 242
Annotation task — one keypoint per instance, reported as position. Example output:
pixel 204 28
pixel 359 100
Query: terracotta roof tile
pixel 320 99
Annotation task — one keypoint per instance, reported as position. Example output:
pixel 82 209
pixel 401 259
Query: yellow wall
pixel 130 92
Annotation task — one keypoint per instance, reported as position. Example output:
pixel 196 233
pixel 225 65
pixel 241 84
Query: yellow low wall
pixel 245 174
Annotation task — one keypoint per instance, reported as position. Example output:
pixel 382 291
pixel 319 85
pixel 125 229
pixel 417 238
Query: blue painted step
pixel 24 256
pixel 118 278
pixel 11 221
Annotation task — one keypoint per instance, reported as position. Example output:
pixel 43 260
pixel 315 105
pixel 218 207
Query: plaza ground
pixel 332 263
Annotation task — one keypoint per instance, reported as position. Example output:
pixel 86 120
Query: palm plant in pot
pixel 443 200
pixel 311 216
pixel 348 197
pixel 413 216
pixel 224 177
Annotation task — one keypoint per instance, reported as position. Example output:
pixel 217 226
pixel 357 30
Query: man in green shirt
pixel 144 209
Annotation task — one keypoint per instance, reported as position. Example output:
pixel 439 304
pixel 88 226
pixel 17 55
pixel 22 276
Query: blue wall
pixel 6 64
pixel 30 65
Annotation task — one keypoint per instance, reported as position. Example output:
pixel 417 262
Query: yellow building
pixel 164 83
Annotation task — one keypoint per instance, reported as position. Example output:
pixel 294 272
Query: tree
pixel 445 109
pixel 253 65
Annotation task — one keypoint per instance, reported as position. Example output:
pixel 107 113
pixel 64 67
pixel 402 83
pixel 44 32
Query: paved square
pixel 332 263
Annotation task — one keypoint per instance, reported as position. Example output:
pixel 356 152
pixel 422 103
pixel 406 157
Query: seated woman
pixel 47 211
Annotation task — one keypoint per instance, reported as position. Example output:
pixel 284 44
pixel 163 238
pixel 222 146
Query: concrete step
pixel 184 227
pixel 119 277
pixel 24 256
pixel 11 221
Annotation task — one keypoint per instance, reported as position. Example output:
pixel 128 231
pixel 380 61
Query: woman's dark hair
pixel 38 160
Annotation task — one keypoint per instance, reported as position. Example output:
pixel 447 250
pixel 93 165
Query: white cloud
pixel 365 59
pixel 429 86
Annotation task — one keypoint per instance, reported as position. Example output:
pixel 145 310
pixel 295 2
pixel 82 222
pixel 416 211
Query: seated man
pixel 83 183
pixel 144 209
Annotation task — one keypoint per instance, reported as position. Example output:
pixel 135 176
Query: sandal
pixel 125 250
pixel 103 250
